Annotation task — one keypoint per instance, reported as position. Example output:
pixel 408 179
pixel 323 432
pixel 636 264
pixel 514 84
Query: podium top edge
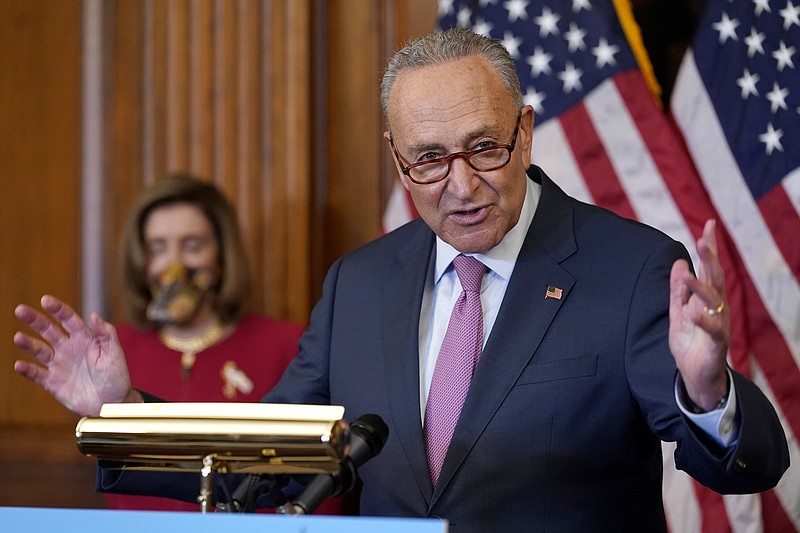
pixel 224 410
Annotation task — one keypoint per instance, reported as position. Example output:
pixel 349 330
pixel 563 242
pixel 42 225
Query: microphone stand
pixel 206 496
pixel 319 489
pixel 244 499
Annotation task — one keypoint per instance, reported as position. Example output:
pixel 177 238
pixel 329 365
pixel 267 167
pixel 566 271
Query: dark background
pixel 668 27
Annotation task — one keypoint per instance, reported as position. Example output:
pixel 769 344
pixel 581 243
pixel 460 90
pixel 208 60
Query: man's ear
pixel 526 134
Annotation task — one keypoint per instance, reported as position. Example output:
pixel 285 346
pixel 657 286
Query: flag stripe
pixel 772 353
pixel 628 149
pixel 604 187
pixel 774 516
pixel 715 517
pixel 783 222
pixel 744 512
pixel 397 211
pixel 682 508
pixel 673 166
pixel 551 150
pixel 791 185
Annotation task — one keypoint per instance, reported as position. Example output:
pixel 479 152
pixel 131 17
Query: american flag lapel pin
pixel 553 292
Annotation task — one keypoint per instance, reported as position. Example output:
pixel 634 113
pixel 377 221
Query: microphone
pixel 368 434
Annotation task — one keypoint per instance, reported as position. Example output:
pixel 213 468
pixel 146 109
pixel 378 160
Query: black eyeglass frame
pixel 465 155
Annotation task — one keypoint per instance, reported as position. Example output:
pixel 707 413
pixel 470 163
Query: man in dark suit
pixel 596 342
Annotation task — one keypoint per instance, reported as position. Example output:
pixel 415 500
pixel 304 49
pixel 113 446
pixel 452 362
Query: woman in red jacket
pixel 186 285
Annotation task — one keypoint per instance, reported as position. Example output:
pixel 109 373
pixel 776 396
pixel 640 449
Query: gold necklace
pixel 190 347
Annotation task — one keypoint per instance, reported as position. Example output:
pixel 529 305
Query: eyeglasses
pixel 482 160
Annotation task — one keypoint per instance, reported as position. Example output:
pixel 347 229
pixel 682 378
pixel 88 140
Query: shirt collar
pixel 501 258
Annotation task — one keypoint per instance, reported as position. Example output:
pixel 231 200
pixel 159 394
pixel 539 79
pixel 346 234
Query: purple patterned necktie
pixel 455 365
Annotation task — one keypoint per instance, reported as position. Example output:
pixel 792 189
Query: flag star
pixel 571 77
pixel 577 5
pixel 539 62
pixel 777 97
pixel 516 10
pixel 534 99
pixel 748 83
pixel 548 22
pixel 761 5
pixel 605 53
pixel 790 14
pixel 511 44
pixel 726 28
pixel 445 7
pixel 482 27
pixel 784 56
pixel 754 42
pixel 463 17
pixel 772 139
pixel 575 37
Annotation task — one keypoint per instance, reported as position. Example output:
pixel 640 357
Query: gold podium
pixel 253 438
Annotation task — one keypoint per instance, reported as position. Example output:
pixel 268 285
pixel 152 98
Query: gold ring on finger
pixel 712 311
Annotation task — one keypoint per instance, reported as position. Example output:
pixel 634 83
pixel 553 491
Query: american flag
pixel 553 292
pixel 603 137
pixel 737 103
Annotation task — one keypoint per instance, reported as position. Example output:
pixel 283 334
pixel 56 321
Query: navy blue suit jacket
pixel 561 428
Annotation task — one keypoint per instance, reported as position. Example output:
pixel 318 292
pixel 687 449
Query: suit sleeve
pixel 306 379
pixel 760 456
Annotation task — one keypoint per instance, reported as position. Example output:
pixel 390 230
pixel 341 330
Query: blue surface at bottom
pixel 36 520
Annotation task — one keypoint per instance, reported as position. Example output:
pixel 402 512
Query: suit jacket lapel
pixel 405 283
pixel 522 321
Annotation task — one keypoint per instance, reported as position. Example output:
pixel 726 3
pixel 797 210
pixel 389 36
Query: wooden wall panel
pixel 357 175
pixel 201 95
pixel 213 83
pixel 39 179
pixel 40 107
pixel 354 60
pixel 178 85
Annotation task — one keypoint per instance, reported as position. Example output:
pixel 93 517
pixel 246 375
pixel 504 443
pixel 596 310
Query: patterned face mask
pixel 178 292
